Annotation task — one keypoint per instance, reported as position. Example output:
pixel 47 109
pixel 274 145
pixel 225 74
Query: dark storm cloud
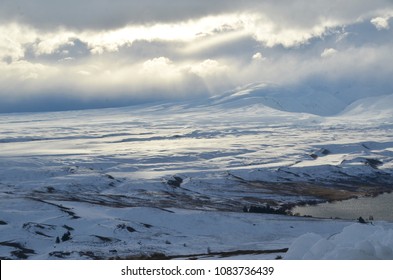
pixel 106 14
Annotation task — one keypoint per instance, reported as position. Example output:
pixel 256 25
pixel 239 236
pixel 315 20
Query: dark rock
pixel 59 254
pixel 361 220
pixel 314 156
pixel 66 236
pixel 373 163
pixel 50 189
pixel 21 252
pixel 175 182
pixel 42 234
pixel 177 178
pixel 130 229
pixel 325 152
pixel 267 210
pixel 321 152
pixel 103 238
pixel 68 228
pixel 157 256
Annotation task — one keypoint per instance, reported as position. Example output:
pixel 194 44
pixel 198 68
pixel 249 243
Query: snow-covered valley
pixel 185 180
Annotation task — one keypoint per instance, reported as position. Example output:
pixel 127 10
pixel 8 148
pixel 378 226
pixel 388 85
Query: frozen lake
pixel 380 207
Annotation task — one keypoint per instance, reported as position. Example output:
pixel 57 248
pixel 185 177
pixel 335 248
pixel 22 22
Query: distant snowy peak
pixel 311 100
pixel 302 100
pixel 379 107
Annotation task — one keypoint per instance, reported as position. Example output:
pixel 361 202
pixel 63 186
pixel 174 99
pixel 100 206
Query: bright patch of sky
pixel 125 52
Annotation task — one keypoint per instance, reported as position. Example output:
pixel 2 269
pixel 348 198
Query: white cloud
pixel 329 52
pixel 209 67
pixel 271 33
pixel 66 59
pixel 381 22
pixel 84 73
pixel 16 37
pixel 217 76
pixel 51 42
pixel 22 78
pixel 258 57
pixel 161 68
pixel 198 34
pixel 13 37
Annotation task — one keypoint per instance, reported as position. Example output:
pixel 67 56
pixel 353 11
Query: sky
pixel 76 54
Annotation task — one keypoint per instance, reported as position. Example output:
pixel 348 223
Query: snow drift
pixel 355 242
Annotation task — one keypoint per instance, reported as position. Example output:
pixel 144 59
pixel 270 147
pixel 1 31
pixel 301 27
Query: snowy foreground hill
pixel 213 179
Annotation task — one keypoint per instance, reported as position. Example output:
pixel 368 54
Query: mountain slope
pixel 380 107
pixel 320 102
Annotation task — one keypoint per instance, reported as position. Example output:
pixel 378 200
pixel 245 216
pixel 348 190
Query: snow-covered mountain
pixel 317 101
pixel 306 100
pixel 372 108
